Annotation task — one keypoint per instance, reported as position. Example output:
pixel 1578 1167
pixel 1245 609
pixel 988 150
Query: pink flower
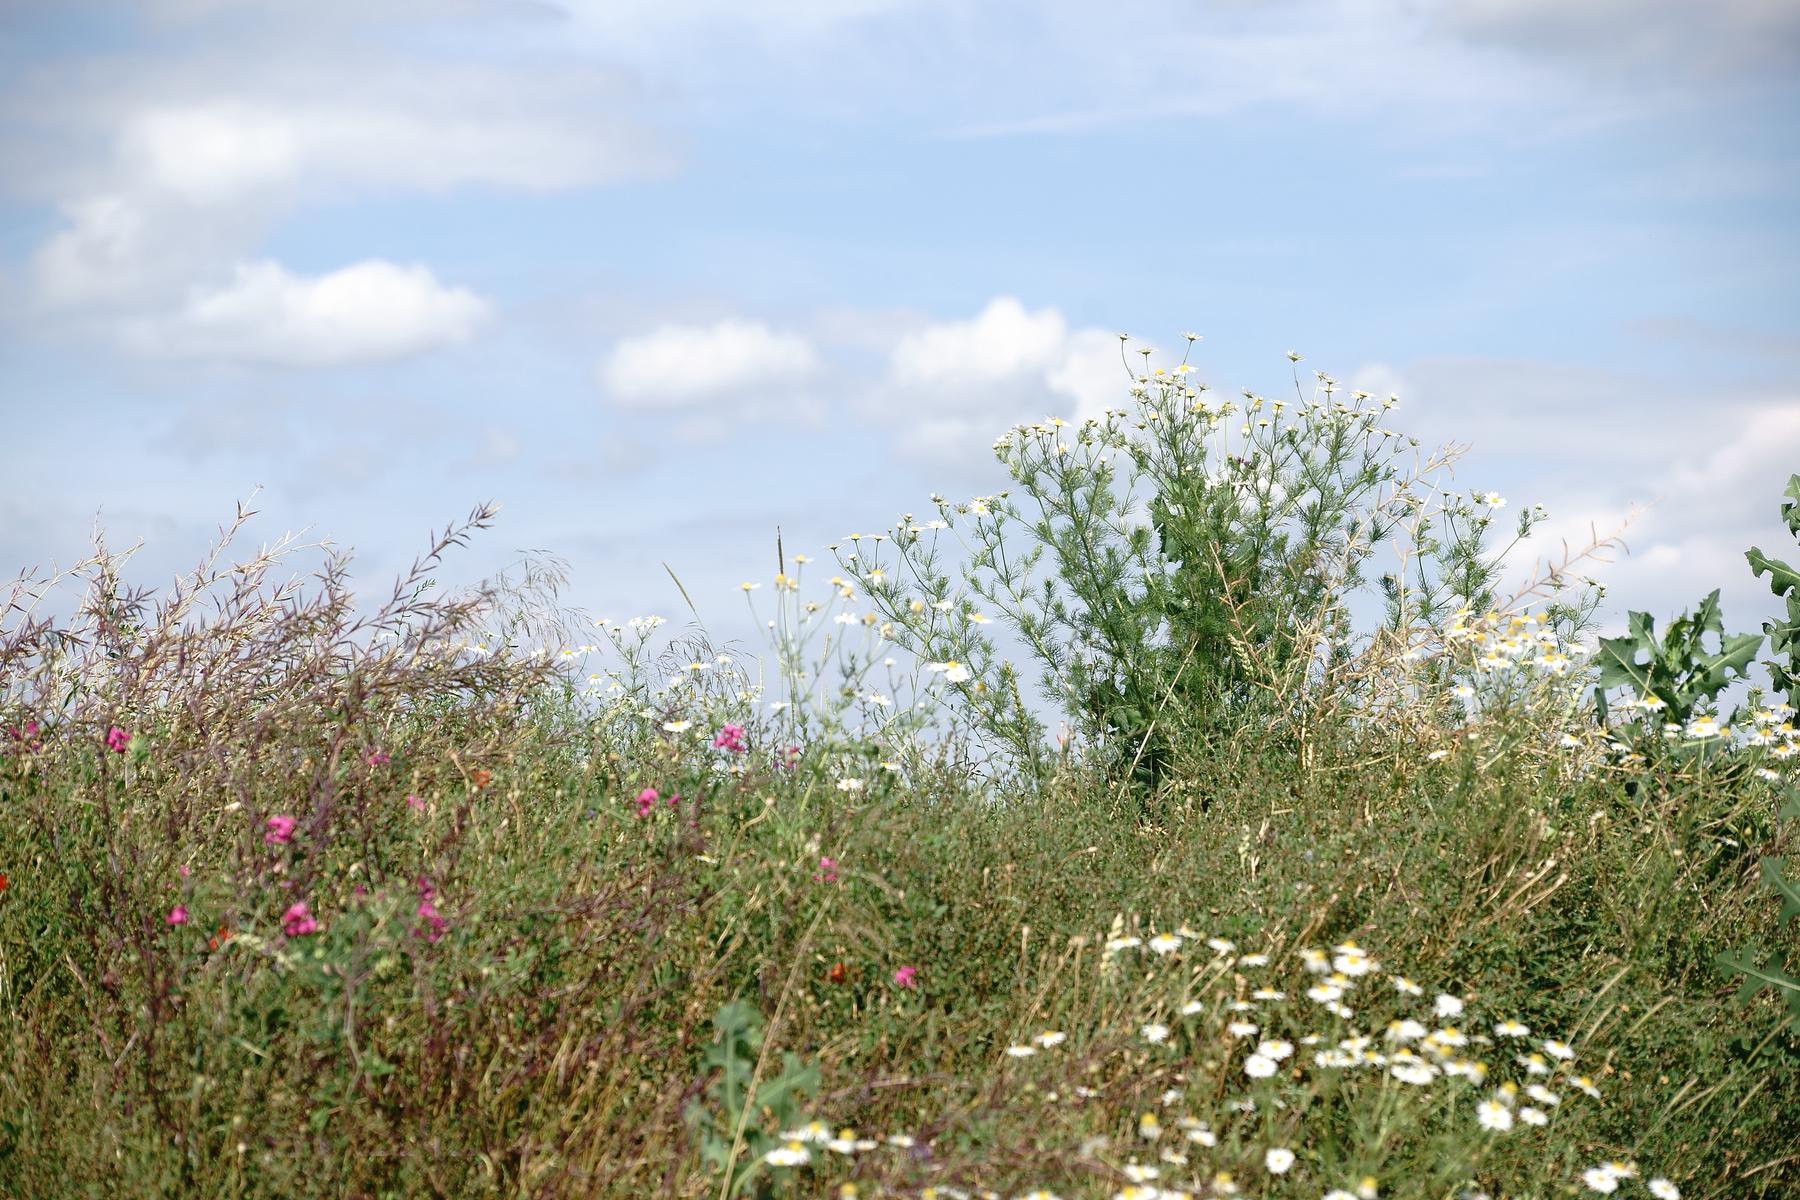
pixel 26 738
pixel 281 829
pixel 416 804
pixel 906 977
pixel 177 915
pixel 646 800
pixel 790 758
pixel 436 924
pixel 731 738
pixel 377 758
pixel 184 870
pixel 298 920
pixel 827 872
pixel 117 739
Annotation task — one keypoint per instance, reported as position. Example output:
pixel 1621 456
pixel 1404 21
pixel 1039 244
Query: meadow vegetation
pixel 1198 816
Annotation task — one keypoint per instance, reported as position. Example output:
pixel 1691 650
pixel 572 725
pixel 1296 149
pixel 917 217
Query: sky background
pixel 662 277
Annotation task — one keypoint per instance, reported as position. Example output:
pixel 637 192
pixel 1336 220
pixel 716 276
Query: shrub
pixel 1186 569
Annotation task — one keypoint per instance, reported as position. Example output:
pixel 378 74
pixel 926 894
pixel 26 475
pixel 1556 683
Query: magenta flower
pixel 281 829
pixel 378 758
pixel 827 872
pixel 177 915
pixel 416 804
pixel 906 977
pixel 26 739
pixel 731 738
pixel 298 920
pixel 646 800
pixel 117 739
pixel 435 922
pixel 184 870
pixel 790 758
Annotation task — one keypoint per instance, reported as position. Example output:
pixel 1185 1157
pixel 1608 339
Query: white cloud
pixel 168 166
pixel 219 151
pixel 952 386
pixel 210 154
pixel 1702 474
pixel 1716 498
pixel 679 365
pixel 362 313
pixel 941 389
pixel 100 253
pixel 1004 340
pixel 1674 36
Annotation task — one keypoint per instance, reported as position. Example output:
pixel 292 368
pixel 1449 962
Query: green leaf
pixel 1619 664
pixel 1708 617
pixel 1734 657
pixel 1756 978
pixel 1790 508
pixel 1787 889
pixel 1782 578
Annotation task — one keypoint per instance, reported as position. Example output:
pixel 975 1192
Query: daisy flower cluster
pixel 1216 1071
pixel 1516 662
pixel 1510 646
pixel 1499 670
pixel 1768 732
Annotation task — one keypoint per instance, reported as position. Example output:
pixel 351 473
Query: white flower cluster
pixel 1279 1057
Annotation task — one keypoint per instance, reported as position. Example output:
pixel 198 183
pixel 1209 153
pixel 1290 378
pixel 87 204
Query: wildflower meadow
pixel 1225 806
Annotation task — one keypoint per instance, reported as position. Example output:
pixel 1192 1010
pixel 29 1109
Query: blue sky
pixel 662 277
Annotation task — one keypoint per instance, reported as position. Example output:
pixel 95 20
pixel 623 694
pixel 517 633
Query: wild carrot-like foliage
pixel 1185 567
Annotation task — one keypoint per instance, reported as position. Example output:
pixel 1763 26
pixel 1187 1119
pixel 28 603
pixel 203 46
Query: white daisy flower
pixel 790 1154
pixel 1494 1115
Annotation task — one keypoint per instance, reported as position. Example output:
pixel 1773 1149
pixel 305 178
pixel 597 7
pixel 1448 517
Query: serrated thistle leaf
pixel 1783 579
pixel 1787 889
pixel 1708 618
pixel 1734 657
pixel 1618 656
pixel 1757 977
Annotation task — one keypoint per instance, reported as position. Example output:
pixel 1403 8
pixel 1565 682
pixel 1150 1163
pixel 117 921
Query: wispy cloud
pixel 1700 474
pixel 1674 37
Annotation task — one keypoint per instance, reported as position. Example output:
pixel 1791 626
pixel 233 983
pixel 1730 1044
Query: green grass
pixel 551 1042
pixel 300 902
